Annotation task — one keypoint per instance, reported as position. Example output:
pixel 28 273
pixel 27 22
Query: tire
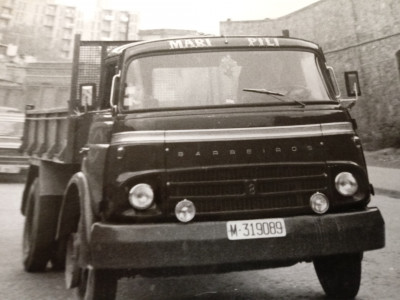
pixel 97 285
pixel 89 283
pixel 339 275
pixel 38 236
pixel 59 253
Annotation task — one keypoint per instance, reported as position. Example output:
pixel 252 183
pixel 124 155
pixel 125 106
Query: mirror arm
pixel 355 88
pixel 114 79
pixel 349 103
pixel 335 81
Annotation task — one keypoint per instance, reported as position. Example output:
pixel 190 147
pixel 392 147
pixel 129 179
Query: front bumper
pixel 203 245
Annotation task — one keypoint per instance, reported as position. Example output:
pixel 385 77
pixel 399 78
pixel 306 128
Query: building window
pixel 9 3
pixel 105 34
pixel 70 11
pixel 48 31
pixel 3 23
pixel 49 22
pixel 6 11
pixel 51 9
pixel 124 18
pixel 351 78
pixel 65 54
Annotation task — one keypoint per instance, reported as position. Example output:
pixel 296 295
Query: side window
pixel 134 93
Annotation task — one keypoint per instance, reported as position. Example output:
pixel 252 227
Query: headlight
pixel 185 210
pixel 141 196
pixel 346 184
pixel 319 203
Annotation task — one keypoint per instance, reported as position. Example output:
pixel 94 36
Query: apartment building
pixel 46 29
pixel 36 25
pixel 16 12
pixel 109 24
pixel 60 24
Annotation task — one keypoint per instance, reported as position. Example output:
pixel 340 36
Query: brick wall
pixel 356 35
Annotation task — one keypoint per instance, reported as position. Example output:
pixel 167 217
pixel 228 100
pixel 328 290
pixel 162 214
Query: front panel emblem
pixel 251 188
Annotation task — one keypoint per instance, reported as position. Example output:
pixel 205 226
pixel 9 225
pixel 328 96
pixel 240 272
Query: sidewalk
pixel 386 181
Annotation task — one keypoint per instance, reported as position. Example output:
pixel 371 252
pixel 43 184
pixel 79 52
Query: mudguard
pixel 76 204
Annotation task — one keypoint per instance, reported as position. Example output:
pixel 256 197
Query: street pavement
pixel 386 181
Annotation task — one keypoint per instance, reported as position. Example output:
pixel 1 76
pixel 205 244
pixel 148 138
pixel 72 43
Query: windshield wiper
pixel 274 93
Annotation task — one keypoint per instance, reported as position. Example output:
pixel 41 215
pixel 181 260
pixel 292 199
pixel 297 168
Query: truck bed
pixel 54 135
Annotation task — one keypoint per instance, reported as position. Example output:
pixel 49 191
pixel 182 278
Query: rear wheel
pixel 38 235
pixel 339 275
pixel 58 256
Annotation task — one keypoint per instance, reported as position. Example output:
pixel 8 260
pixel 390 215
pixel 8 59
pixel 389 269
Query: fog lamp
pixel 141 196
pixel 346 184
pixel 319 203
pixel 185 211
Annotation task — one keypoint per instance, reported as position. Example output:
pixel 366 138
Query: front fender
pixel 76 204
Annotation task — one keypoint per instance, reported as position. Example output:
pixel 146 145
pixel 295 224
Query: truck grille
pixel 247 188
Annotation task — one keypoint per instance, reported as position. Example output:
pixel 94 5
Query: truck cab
pixel 206 155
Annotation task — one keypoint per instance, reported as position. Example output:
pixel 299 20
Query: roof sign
pixel 263 42
pixel 189 43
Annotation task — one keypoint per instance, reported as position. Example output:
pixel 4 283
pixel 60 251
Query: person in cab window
pixel 136 96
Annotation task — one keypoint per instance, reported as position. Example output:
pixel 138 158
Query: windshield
pixel 222 78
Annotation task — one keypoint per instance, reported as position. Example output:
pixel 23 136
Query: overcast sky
pixel 200 15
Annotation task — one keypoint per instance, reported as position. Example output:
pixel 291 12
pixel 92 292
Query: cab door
pixel 94 153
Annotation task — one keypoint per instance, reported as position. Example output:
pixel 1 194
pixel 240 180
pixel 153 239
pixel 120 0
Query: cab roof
pixel 210 42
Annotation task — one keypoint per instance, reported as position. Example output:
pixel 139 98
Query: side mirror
pixel 353 89
pixel 352 84
pixel 87 95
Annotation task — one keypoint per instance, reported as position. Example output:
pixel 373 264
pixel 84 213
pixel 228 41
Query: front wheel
pixel 339 275
pixel 97 285
pixel 89 283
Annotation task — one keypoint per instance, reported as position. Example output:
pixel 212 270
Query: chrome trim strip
pixel 232 134
pixel 138 137
pixel 238 134
pixel 337 128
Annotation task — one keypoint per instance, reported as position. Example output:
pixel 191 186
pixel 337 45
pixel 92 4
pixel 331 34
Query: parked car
pixel 12 161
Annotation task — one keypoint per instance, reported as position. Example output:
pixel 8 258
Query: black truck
pixel 198 155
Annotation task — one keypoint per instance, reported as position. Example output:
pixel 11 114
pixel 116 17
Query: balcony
pixel 124 18
pixel 108 17
pixel 51 10
pixel 69 25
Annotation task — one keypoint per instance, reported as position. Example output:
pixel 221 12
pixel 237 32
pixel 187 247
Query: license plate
pixel 255 229
pixel 9 169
